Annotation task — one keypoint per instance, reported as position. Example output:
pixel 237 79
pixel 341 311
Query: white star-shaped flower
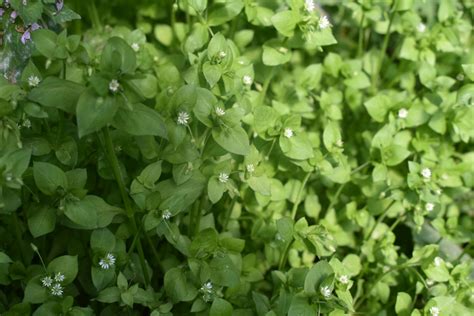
pixel 57 289
pixel 438 261
pixel 207 287
pixel 166 215
pixel 114 85
pixel 421 27
pixel 309 5
pixel 59 277
pixel 223 177
pixel 250 168
pixel 220 111
pixel 426 173
pixel 344 279
pixel 107 262
pixel 183 118
pixel 135 47
pixel 47 281
pixel 434 311
pixel 288 132
pixel 247 80
pixel 429 206
pixel 33 81
pixel 403 113
pixel 324 22
pixel 326 291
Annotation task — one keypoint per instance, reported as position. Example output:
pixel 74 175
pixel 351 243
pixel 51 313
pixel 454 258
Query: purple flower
pixel 35 26
pixel 13 16
pixel 59 5
pixel 1 12
pixel 25 37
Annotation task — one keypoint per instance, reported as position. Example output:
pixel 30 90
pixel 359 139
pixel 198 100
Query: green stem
pixel 379 220
pixel 227 216
pixel 376 74
pixel 298 197
pixel 361 35
pixel 110 150
pixel 266 84
pixel 284 255
pixel 94 15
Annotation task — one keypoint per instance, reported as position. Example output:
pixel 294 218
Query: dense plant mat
pixel 236 157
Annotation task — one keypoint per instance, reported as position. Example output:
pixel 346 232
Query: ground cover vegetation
pixel 237 157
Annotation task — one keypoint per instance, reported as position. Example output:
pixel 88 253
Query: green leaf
pixel 197 39
pixel 285 22
pixel 45 42
pixel 91 212
pixel 403 304
pixel 67 265
pixel 164 34
pixel 4 258
pixel 224 272
pixel 49 178
pixel 35 293
pixel 102 240
pixel 322 37
pixel 178 288
pixel 222 12
pixel 198 5
pixel 41 220
pixel 94 112
pixel 300 307
pixel 297 147
pixel 204 244
pixel 109 295
pixel 140 121
pixel 331 136
pixel 150 175
pixel 260 184
pixel 393 155
pixel 234 139
pixel 377 107
pixel 118 56
pixel 274 53
pixel 316 276
pixel 215 189
pixel 212 73
pixel 57 93
pixel 221 307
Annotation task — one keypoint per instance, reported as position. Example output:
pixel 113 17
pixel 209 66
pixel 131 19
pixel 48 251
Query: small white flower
pixel 344 279
pixel 250 168
pixel 207 287
pixel 57 289
pixel 421 27
pixel 220 111
pixel 26 123
pixel 288 132
pixel 429 282
pixel 339 143
pixel 8 177
pixel 223 177
pixel 107 262
pixel 309 5
pixel 283 50
pixel 434 311
pixel 438 192
pixel 166 215
pixel 114 85
pixel 326 291
pixel 222 54
pixel 183 118
pixel 426 173
pixel 403 113
pixel 324 22
pixel 429 206
pixel 247 80
pixel 438 261
pixel 135 47
pixel 59 277
pixel 47 281
pixel 33 81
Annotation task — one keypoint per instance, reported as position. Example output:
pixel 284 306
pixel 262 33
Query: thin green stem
pixel 94 15
pixel 227 215
pixel 266 84
pixel 361 35
pixel 110 150
pixel 379 220
pixel 284 255
pixel 298 196
pixel 376 74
